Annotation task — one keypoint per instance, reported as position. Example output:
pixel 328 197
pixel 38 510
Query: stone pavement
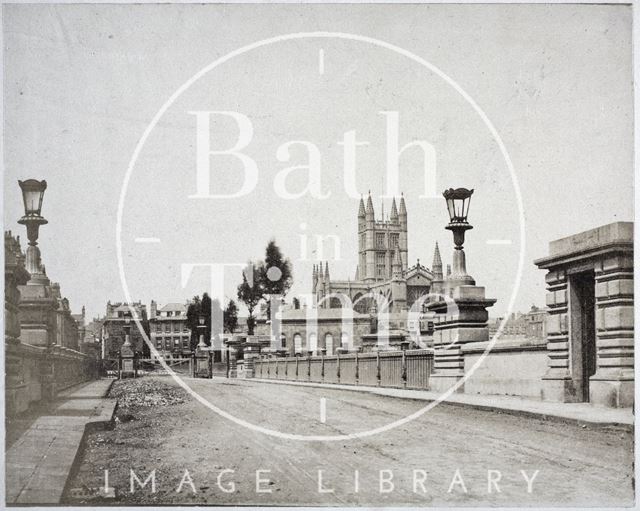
pixel 38 464
pixel 573 412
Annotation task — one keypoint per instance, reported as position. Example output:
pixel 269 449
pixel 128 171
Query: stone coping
pixel 606 238
pixel 506 345
pixel 351 355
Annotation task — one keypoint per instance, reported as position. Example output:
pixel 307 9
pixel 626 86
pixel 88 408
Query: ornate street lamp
pixel 201 327
pixel 127 329
pixel 127 359
pixel 201 358
pixel 458 201
pixel 32 194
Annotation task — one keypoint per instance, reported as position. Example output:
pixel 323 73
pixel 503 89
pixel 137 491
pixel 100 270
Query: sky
pixel 82 83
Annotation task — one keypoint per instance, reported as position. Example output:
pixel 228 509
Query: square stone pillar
pixel 128 361
pixel 458 321
pixel 557 383
pixel 613 382
pixel 202 363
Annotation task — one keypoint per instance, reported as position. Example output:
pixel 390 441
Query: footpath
pixel 40 461
pixel 581 413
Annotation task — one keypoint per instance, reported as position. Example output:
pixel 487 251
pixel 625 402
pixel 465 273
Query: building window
pixel 379 240
pixel 394 240
pixel 328 344
pixel 297 343
pixel 283 341
pixel 380 264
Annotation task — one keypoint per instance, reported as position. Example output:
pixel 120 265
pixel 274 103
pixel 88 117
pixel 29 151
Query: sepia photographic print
pixel 318 255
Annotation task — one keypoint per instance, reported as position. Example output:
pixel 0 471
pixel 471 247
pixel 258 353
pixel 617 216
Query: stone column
pixel 613 383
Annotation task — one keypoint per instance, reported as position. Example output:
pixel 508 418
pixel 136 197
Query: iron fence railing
pixel 402 369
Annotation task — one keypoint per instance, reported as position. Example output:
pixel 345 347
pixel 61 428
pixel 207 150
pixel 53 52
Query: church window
pixel 380 264
pixel 297 343
pixel 328 344
pixel 379 240
pixel 394 240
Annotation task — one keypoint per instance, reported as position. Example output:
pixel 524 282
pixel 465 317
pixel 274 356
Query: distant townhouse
pixel 114 328
pixel 169 332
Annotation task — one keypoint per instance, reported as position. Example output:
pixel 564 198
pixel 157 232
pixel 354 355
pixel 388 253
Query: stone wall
pixel 513 367
pixel 34 372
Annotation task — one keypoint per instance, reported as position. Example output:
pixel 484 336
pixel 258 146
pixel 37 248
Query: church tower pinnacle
pixel 436 267
pixel 394 212
pixel 369 213
pixel 403 239
pixel 437 285
pixel 397 264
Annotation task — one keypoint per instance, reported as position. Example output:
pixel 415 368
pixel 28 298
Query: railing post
pixel 338 366
pixel 357 368
pixel 297 370
pixel 378 375
pixel 404 369
pixel 322 367
pixel 308 367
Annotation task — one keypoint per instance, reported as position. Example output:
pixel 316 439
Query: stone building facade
pixel 168 329
pixel 67 328
pixel 528 325
pixel 113 328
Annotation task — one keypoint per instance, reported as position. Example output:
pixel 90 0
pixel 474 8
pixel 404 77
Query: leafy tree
pixel 251 293
pixel 276 274
pixel 193 312
pixel 206 308
pixel 231 317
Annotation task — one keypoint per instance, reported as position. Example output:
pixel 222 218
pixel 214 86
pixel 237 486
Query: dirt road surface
pixel 449 456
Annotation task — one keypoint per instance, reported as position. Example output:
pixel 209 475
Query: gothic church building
pixel 382 269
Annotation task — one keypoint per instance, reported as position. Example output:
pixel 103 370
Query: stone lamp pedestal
pixel 460 320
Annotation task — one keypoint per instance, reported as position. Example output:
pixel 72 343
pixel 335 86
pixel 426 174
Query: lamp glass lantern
pixel 458 201
pixel 32 195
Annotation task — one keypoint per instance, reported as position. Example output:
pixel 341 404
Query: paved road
pixel 575 465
